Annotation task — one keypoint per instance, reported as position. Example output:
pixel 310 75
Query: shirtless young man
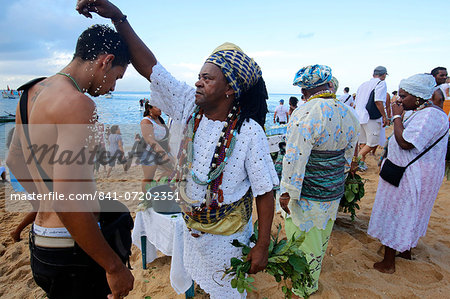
pixel 59 113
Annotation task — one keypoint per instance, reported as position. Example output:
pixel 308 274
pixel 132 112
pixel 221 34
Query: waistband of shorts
pixel 52 237
pixel 52 242
pixel 52 232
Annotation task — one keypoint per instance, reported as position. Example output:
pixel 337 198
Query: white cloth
pixel 347 99
pixel 420 85
pixel 400 214
pixel 362 97
pixel 164 233
pixel 250 165
pixel 444 88
pixel 382 141
pixel 282 112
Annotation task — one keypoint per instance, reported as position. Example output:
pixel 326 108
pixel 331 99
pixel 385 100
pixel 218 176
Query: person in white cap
pixel 370 128
pixel 400 214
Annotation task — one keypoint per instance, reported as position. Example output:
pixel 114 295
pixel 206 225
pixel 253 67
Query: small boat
pixel 7 118
pixel 10 94
pixel 108 95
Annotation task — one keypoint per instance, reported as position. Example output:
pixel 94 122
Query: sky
pixel 352 37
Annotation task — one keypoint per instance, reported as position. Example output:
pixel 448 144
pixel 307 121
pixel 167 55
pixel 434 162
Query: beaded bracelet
pixel 120 21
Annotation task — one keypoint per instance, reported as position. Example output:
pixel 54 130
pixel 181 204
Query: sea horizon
pixel 123 109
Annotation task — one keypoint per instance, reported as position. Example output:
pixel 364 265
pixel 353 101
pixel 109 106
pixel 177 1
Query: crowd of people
pixel 221 160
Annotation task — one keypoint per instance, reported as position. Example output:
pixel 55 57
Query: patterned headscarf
pixel 312 76
pixel 335 83
pixel 241 71
pixel 420 85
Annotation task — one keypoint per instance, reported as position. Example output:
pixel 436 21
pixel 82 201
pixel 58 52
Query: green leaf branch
pixel 354 191
pixel 286 262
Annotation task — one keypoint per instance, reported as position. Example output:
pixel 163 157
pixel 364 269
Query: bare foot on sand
pixel 384 267
pixel 405 255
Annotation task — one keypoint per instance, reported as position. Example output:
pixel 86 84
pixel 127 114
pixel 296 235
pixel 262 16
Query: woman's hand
pixel 284 202
pixel 397 108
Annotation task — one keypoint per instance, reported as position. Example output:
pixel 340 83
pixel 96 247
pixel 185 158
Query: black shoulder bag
pixel 393 173
pixel 115 226
pixel 371 107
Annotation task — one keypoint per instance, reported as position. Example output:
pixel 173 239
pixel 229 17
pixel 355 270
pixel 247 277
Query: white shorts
pixel 370 133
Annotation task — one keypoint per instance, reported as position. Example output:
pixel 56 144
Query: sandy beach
pixel 347 268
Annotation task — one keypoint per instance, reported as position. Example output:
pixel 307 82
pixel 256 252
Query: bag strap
pixel 23 105
pixel 373 90
pixel 347 98
pixel 370 95
pixel 424 152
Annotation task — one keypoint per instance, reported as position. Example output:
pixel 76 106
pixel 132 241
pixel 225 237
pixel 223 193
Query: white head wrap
pixel 420 85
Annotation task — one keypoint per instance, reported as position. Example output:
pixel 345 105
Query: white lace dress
pixel 249 166
pixel 400 214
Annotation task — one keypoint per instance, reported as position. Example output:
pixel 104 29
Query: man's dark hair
pixel 147 113
pixel 293 101
pixel 346 89
pixel 436 70
pixel 102 39
pixel 394 92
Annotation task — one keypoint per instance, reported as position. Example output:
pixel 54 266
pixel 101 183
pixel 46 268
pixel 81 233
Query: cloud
pixel 40 28
pixel 302 35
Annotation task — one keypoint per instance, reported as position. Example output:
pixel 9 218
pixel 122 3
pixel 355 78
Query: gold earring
pixel 417 102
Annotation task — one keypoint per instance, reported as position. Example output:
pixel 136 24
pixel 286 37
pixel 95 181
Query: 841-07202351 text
pixel 138 196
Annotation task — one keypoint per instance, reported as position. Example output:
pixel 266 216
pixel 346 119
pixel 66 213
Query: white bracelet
pixel 396 116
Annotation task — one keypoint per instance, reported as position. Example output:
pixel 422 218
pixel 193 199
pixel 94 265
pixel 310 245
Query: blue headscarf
pixel 312 76
pixel 241 71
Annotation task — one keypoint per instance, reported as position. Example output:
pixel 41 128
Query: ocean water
pixel 122 109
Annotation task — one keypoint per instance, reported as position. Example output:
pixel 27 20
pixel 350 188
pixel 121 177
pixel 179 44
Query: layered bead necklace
pixel 322 94
pixel 426 104
pixel 224 149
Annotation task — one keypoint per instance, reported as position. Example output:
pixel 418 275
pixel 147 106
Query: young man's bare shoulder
pixel 75 108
